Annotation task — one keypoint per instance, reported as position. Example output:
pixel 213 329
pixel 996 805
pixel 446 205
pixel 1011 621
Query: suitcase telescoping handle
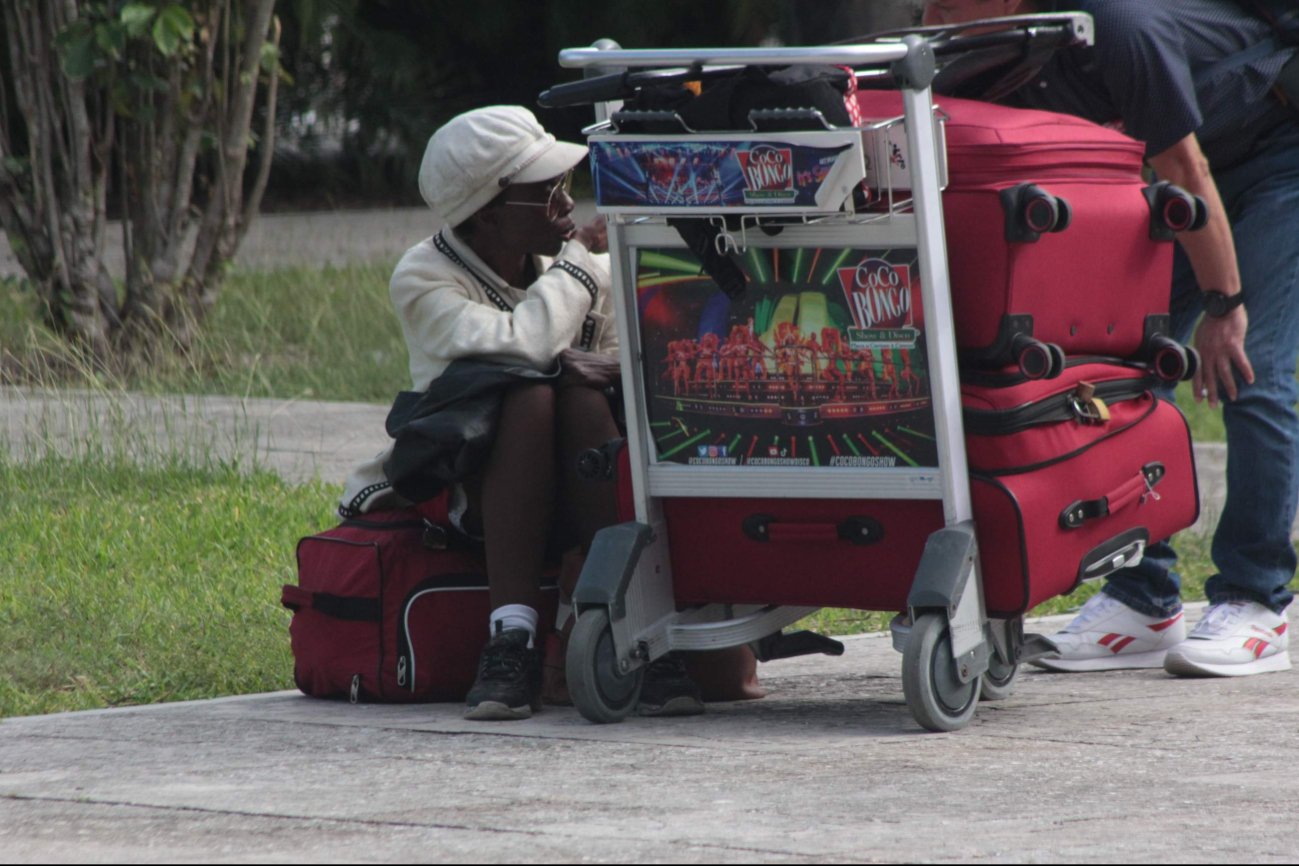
pixel 1138 487
pixel 854 530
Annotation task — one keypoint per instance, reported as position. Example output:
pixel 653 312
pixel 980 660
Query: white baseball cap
pixel 474 156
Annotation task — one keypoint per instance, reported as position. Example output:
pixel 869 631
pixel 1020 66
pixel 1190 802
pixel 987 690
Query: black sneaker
pixel 668 690
pixel 509 680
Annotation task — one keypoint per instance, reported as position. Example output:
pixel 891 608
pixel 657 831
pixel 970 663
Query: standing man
pixel 1213 91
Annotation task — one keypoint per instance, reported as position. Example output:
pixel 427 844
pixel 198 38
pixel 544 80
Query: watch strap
pixel 1217 304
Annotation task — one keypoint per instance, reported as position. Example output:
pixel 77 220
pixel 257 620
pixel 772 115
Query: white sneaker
pixel 1107 635
pixel 1234 639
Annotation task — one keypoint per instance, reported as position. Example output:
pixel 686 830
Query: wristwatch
pixel 1217 305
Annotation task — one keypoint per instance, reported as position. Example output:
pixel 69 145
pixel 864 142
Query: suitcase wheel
pixel 1173 210
pixel 1032 212
pixel 1037 360
pixel 1171 361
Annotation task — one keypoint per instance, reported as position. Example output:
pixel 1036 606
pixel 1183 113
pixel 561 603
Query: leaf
pixel 135 17
pixel 173 27
pixel 120 97
pixel 79 53
pixel 148 81
pixel 111 39
pixel 270 57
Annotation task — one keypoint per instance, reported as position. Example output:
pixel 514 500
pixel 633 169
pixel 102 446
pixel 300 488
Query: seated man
pixel 483 289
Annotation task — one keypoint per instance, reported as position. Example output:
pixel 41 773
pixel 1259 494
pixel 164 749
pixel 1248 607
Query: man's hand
pixel 1221 343
pixel 587 370
pixel 594 235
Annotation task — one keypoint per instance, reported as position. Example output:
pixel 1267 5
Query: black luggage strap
pixel 348 608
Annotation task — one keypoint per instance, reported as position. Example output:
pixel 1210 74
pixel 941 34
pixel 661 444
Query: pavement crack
pixel 274 816
pixel 405 825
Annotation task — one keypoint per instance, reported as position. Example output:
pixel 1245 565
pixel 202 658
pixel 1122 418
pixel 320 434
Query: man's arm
pixel 1213 257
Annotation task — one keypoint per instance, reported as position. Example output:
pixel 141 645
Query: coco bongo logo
pixel 768 174
pixel 879 297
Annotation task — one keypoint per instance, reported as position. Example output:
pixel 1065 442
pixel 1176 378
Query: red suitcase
pixel 1071 477
pixel 1053 234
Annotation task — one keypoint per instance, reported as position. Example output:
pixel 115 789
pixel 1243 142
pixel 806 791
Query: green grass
pixel 327 334
pixel 123 584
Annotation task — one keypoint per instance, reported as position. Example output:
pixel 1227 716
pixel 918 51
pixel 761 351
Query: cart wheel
pixel 937 698
pixel 998 680
pixel 600 693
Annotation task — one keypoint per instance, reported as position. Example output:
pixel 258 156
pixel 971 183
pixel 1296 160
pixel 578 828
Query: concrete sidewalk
pixel 1121 767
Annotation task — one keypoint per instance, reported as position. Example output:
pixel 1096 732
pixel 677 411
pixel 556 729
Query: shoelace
pixel 1100 605
pixel 666 667
pixel 502 661
pixel 1219 621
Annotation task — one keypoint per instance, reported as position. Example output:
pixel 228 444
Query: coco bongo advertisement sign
pixel 820 363
pixel 768 173
pixel 883 304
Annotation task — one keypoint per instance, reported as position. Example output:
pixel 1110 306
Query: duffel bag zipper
pixel 1058 407
pixel 435 537
pixel 405 647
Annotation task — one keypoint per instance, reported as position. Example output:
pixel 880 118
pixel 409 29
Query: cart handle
pixel 829 55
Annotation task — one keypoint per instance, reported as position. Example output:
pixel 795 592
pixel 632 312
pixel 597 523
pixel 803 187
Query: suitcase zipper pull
pixel 355 695
pixel 401 671
pixel 1152 473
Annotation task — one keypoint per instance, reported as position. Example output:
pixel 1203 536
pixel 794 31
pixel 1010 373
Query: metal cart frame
pixel 627 617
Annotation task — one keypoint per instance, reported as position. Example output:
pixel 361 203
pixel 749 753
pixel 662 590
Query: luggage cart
pixel 786 190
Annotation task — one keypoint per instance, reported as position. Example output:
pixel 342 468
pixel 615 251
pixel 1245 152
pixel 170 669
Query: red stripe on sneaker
pixel 1166 624
pixel 1118 647
pixel 1281 628
pixel 1109 639
pixel 1251 643
pixel 1260 647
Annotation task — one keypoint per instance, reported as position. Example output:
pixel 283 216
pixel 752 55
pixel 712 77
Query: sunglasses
pixel 559 189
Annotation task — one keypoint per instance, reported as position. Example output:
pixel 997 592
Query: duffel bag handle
pixel 855 530
pixel 1138 487
pixel 346 607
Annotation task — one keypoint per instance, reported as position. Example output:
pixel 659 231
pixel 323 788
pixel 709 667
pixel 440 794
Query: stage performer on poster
pixel 706 361
pixel 908 374
pixel 866 371
pixel 839 362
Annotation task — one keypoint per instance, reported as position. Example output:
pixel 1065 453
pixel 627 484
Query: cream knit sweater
pixel 452 306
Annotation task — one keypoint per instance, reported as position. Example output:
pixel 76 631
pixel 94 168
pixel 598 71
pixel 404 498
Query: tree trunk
pixel 50 204
pixel 85 148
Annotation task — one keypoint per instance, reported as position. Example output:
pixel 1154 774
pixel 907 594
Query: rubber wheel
pixel 937 698
pixel 600 693
pixel 998 680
